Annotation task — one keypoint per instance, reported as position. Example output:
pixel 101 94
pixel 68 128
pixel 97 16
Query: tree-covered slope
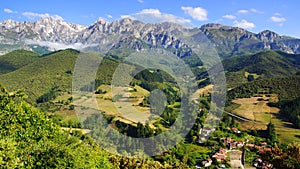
pixel 290 111
pixel 287 88
pixel 39 77
pixel 16 59
pixel 29 139
pixel 270 64
pixel 55 70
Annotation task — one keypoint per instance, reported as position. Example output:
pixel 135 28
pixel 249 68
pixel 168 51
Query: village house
pixel 207 162
pixel 260 164
pixel 204 133
pixel 232 144
pixel 220 155
pixel 236 130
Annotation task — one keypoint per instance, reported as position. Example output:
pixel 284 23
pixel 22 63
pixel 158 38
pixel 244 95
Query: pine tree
pixel 271 134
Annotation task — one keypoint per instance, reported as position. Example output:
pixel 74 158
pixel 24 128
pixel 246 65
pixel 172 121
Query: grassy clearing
pixel 196 151
pixel 256 109
pixel 255 76
pixel 288 135
pixel 205 90
pixel 123 103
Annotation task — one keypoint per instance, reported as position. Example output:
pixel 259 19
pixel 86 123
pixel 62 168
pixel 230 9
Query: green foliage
pixel 268 64
pixel 271 134
pixel 28 139
pixel 144 131
pixel 169 116
pixel 290 111
pixel 71 123
pixel 38 77
pixel 21 121
pixel 157 79
pixel 16 59
pixel 288 159
pixel 139 131
pixel 8 153
pixel 53 69
pixel 287 88
pixel 48 96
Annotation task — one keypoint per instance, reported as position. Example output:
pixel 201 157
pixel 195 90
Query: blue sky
pixel 281 16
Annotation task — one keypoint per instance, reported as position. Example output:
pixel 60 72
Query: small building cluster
pixel 204 133
pixel 220 155
pixel 262 165
pixel 232 144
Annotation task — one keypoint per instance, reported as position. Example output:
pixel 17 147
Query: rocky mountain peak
pixel 228 40
pixel 126 20
pixel 9 24
pixel 211 26
pixel 268 35
pixel 102 21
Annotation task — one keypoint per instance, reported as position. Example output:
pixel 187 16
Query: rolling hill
pixel 16 59
pixel 269 64
pixel 40 76
pixel 54 70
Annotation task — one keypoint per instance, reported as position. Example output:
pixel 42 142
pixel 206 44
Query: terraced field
pixel 257 110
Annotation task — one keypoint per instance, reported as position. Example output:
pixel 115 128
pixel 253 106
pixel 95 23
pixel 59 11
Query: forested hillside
pixel 29 139
pixel 269 64
pixel 290 110
pixel 16 59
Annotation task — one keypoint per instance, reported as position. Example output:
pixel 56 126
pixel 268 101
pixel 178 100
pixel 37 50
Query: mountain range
pixel 53 34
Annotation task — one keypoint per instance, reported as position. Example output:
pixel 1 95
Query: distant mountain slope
pixel 40 76
pixel 57 34
pixel 230 41
pixel 268 64
pixel 287 88
pixel 16 59
pixel 53 70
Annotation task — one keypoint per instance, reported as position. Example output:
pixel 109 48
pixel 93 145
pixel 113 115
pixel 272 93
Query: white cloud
pixel 109 16
pixel 243 11
pixel 59 46
pixel 256 11
pixel 277 14
pixel 155 16
pixel 32 15
pixel 197 13
pixel 140 1
pixel 150 11
pixel 243 24
pixel 277 18
pixel 229 16
pixel 127 16
pixel 6 10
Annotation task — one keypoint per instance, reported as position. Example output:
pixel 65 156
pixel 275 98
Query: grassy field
pixel 205 90
pixel 123 104
pixel 256 109
pixel 127 105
